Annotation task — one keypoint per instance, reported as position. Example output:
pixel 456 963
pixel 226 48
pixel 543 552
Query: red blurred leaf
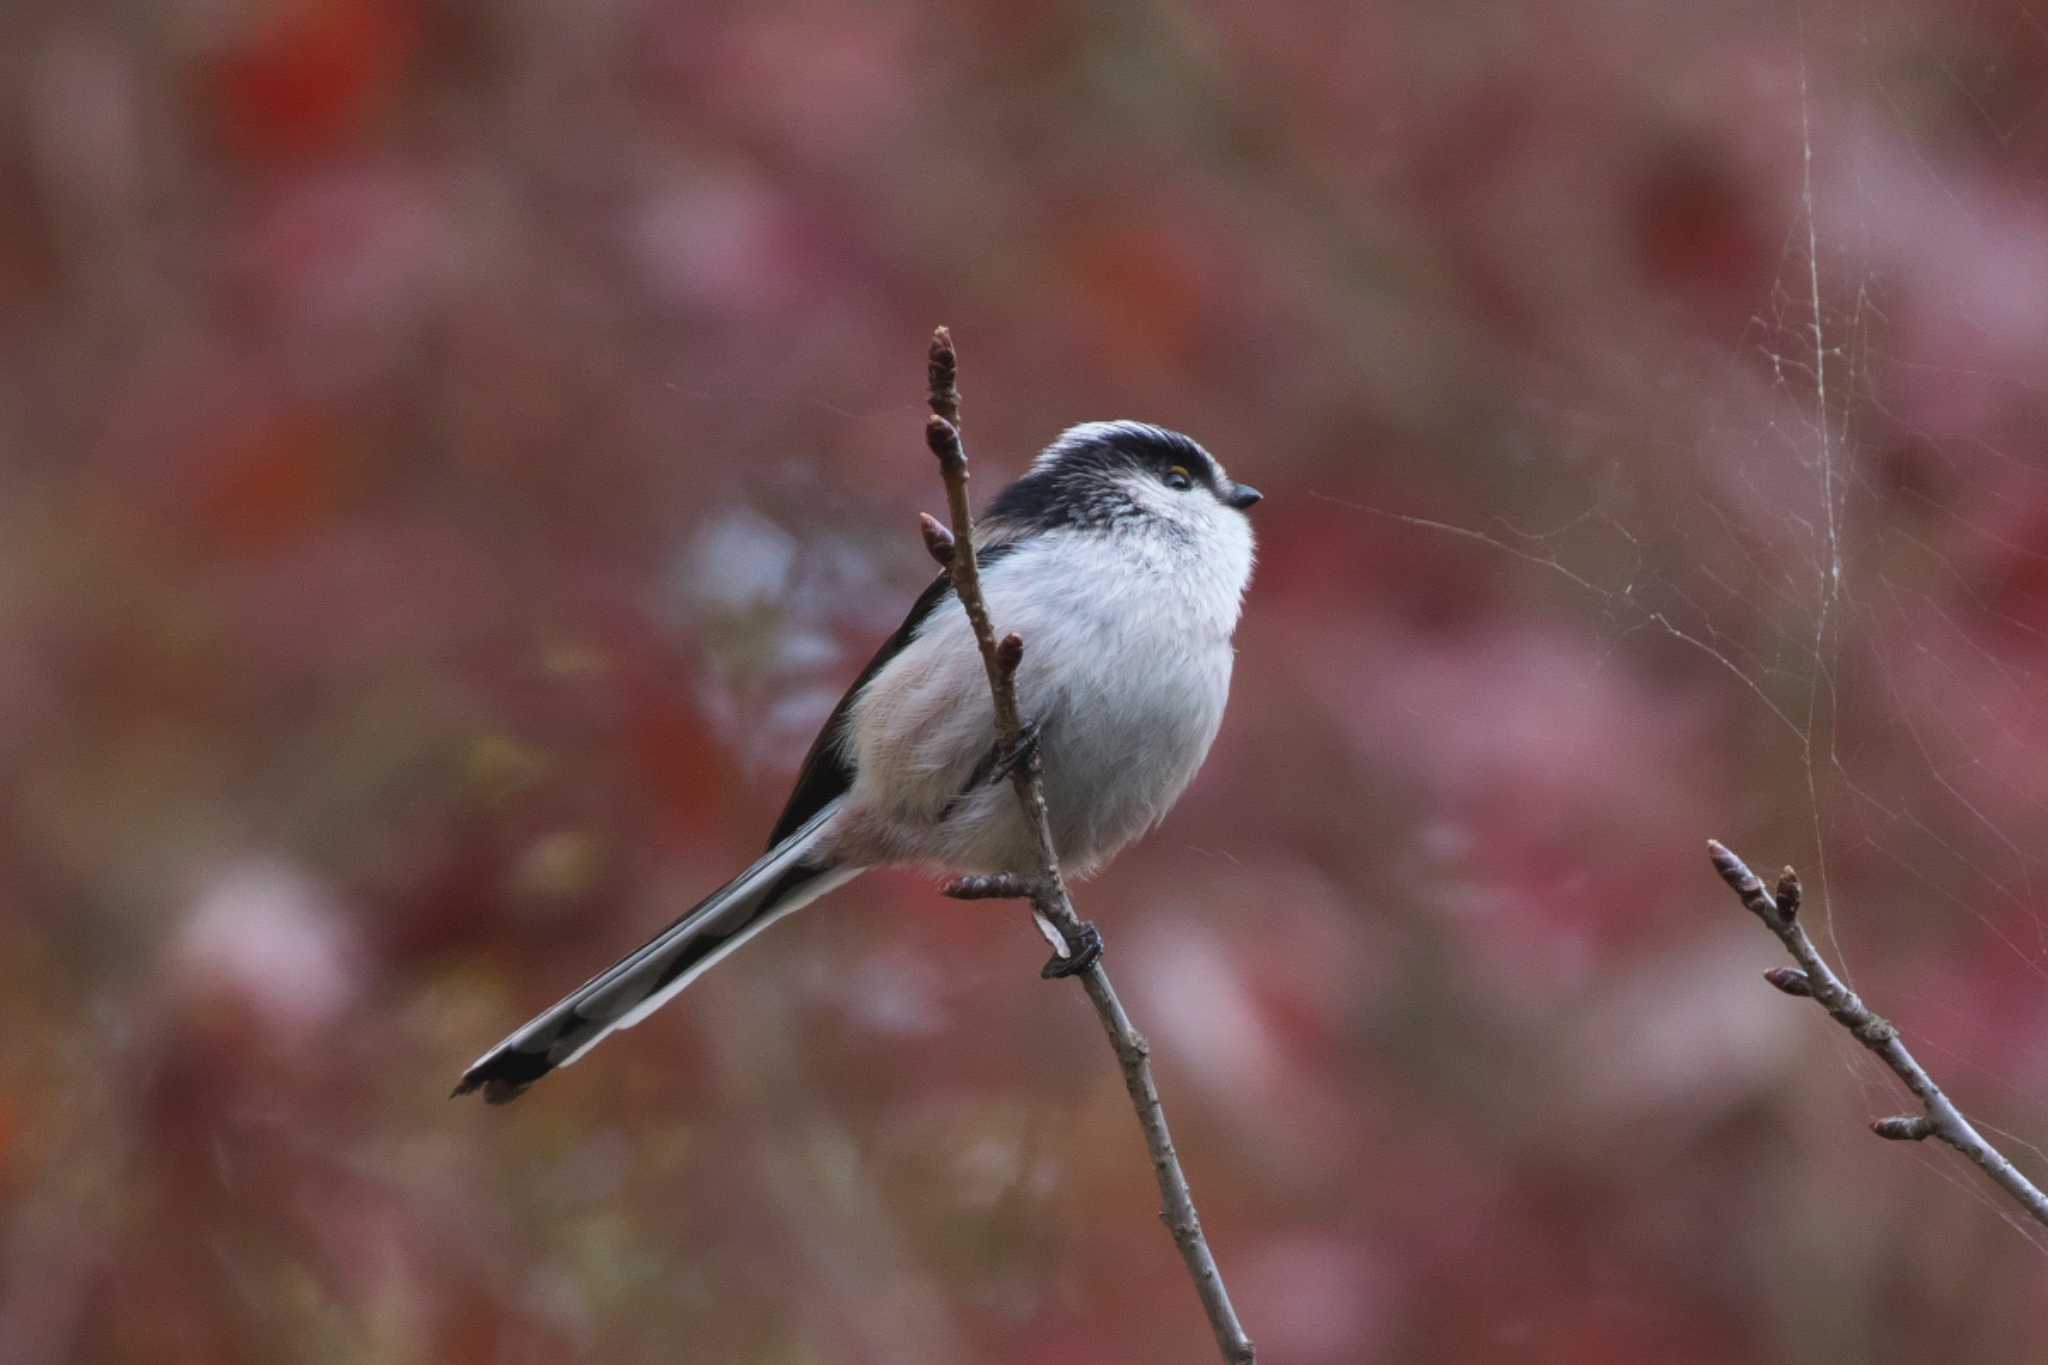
pixel 271 484
pixel 314 76
pixel 1696 232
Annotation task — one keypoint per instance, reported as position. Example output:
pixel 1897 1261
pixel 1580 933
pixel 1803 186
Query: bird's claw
pixel 1009 757
pixel 1083 951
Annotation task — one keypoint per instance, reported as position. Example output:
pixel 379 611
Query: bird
pixel 1122 555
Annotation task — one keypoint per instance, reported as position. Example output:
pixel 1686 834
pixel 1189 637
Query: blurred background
pixel 456 453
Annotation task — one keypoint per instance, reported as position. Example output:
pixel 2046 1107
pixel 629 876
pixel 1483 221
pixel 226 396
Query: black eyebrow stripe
pixel 1158 446
pixel 1076 481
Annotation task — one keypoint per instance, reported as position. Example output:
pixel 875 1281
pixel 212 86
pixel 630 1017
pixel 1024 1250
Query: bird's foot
pixel 1007 758
pixel 1083 950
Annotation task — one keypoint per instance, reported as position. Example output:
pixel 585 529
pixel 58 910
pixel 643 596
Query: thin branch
pixel 1940 1119
pixel 1047 890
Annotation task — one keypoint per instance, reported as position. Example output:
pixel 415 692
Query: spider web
pixel 1854 545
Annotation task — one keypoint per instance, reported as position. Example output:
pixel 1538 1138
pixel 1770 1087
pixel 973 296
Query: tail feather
pixel 632 988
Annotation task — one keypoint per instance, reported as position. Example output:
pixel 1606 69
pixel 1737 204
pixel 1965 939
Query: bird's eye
pixel 1178 479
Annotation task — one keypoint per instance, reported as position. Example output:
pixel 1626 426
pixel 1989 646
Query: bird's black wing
pixel 827 772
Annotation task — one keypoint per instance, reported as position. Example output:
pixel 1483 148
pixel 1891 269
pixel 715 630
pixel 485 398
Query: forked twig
pixel 1047 890
pixel 1813 977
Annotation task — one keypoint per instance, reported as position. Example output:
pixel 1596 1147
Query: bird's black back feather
pixel 827 772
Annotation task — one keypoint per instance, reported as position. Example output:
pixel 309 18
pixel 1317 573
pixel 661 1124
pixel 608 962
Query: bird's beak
pixel 1242 496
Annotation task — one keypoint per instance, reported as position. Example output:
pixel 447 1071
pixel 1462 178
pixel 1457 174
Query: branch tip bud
pixel 943 439
pixel 1725 862
pixel 942 370
pixel 938 541
pixel 1790 980
pixel 1010 653
pixel 1904 1128
pixel 1789 894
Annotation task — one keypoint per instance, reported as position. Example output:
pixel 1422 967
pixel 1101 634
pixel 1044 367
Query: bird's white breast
pixel 1127 661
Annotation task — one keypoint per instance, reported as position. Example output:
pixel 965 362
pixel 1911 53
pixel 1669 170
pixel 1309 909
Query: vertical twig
pixel 1047 891
pixel 1813 977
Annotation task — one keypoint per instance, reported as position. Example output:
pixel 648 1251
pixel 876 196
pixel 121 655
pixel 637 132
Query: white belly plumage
pixel 1128 697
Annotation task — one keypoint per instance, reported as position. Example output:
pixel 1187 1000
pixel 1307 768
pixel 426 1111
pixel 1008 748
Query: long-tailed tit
pixel 1122 558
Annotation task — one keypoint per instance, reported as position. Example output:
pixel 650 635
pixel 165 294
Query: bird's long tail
pixel 640 983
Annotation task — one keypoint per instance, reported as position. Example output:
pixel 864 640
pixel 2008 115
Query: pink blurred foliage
pixel 455 456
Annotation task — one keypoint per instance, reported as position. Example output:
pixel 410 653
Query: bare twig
pixel 1940 1119
pixel 1047 890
